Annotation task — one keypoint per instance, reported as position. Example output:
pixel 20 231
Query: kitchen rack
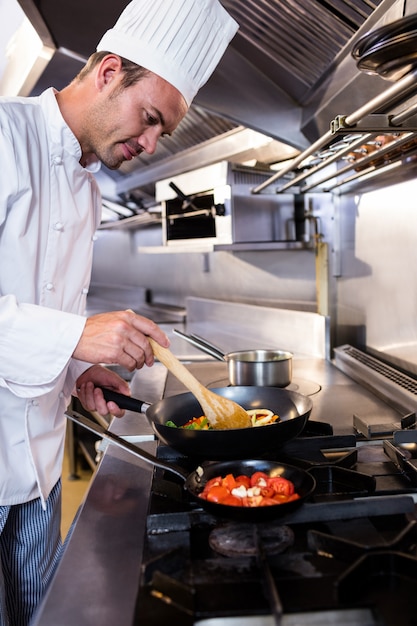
pixel 348 133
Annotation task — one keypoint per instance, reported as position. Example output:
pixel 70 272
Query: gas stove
pixel 145 554
pixel 349 555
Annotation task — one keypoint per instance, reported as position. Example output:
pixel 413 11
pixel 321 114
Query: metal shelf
pixel 354 130
pixel 265 245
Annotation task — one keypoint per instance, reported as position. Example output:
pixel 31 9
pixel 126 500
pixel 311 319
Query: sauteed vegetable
pixel 249 491
pixel 259 417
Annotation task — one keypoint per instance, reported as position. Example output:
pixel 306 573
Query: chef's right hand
pixel 119 337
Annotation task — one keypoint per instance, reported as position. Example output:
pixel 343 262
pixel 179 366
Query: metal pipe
pixel 320 143
pixel 386 99
pixel 361 140
pixel 368 173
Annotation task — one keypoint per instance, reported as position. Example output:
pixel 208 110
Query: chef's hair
pixel 133 73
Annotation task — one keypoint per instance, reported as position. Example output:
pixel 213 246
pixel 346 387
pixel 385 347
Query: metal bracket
pixel 371 124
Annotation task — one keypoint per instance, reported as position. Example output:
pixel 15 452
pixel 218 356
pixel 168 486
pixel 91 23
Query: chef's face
pixel 123 122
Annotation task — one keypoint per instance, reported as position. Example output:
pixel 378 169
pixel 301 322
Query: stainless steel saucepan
pixel 261 368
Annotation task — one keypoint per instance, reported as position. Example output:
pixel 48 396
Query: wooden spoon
pixel 220 412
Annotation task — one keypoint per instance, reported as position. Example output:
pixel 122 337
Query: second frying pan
pixel 194 482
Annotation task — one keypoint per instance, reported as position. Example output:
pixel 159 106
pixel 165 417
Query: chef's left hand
pixel 89 392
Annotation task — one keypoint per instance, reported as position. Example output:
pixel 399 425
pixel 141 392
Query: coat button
pixel 49 286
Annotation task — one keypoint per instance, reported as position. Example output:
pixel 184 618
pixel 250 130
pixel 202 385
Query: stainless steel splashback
pixel 376 285
pixel 240 326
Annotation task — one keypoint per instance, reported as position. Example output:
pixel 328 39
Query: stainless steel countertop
pixel 97 579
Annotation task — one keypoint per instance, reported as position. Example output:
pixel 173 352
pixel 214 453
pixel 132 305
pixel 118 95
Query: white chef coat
pixel 50 207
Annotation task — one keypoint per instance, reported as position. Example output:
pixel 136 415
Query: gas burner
pixel 236 540
pixel 305 387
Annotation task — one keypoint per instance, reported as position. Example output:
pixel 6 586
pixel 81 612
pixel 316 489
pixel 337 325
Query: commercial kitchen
pixel 279 216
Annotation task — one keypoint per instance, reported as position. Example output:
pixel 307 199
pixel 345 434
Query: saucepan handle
pixel 201 344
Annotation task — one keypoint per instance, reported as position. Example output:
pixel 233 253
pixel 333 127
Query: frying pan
pixel 194 482
pixel 389 51
pixel 293 409
pixel 262 368
pixel 384 35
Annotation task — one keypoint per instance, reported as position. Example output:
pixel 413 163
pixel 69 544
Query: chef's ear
pixel 107 70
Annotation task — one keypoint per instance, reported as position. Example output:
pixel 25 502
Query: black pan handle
pixel 124 402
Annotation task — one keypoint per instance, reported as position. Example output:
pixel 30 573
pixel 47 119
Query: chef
pixel 133 90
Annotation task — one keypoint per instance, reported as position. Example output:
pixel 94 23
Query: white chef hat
pixel 180 40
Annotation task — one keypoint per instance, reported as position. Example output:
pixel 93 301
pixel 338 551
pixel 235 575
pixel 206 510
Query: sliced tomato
pixel 217 480
pixel 258 477
pixel 281 485
pixel 229 481
pixel 217 493
pixel 267 492
pixel 232 501
pixel 243 480
pixel 268 502
pixel 294 496
pixel 260 489
pixel 280 497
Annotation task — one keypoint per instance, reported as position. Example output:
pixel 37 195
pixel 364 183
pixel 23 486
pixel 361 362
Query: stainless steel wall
pixel 372 241
pixel 376 260
pixel 273 277
pixel 284 277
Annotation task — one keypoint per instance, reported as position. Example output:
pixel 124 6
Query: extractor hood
pixel 286 74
